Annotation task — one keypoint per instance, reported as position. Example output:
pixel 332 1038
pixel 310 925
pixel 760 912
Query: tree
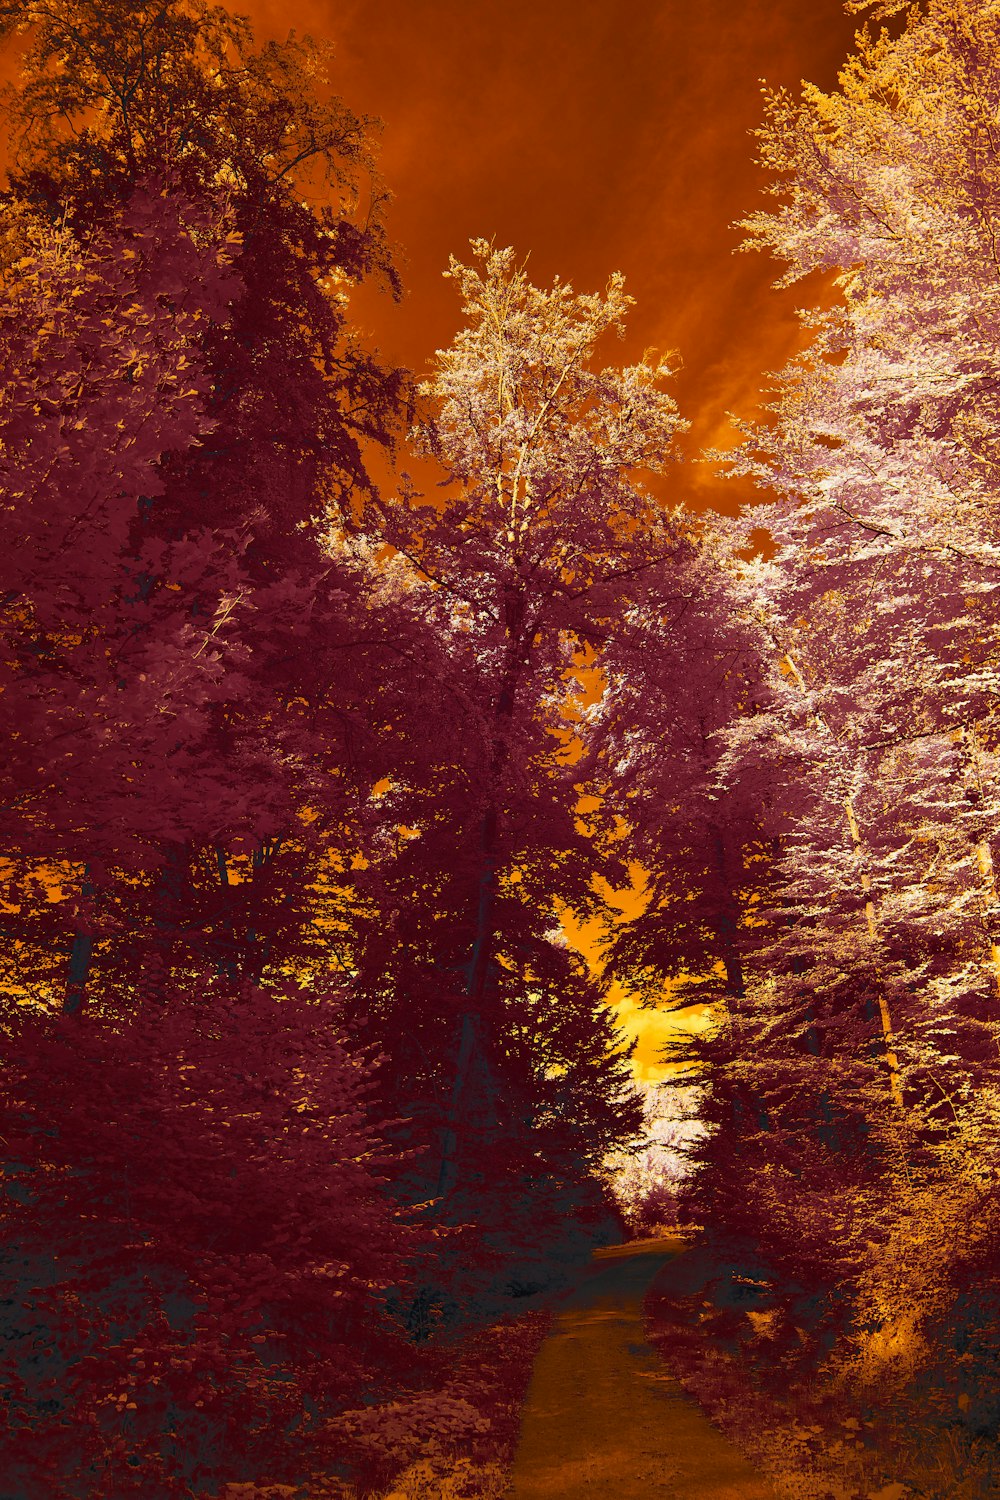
pixel 876 430
pixel 113 93
pixel 683 667
pixel 230 531
pixel 871 977
pixel 105 671
pixel 524 561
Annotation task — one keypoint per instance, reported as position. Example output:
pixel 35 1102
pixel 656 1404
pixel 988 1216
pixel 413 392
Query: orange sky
pixel 597 137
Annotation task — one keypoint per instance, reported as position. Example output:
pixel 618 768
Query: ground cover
pixel 769 1362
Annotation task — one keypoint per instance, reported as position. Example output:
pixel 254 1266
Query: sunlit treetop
pixel 895 173
pixel 544 452
pixel 892 184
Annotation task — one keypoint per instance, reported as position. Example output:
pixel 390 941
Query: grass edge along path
pixel 749 1347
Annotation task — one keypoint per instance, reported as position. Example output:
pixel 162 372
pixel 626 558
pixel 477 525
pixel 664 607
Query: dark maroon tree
pixel 109 96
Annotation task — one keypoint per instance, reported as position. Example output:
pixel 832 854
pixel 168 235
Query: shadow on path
pixel 603 1415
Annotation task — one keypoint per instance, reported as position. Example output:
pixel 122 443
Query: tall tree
pixel 882 452
pixel 526 559
pixel 871 970
pixel 111 97
pixel 681 669
pixel 108 677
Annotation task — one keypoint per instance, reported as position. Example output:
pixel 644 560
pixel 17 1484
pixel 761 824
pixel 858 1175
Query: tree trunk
pixel 81 955
pixel 470 1043
pixel 888 1040
pixel 984 858
pixel 168 901
pixel 448 1170
pixel 969 751
pixel 729 921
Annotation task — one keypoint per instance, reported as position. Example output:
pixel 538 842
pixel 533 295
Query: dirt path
pixel 604 1416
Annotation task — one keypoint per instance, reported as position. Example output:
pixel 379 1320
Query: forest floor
pixel 604 1416
pixel 672 1371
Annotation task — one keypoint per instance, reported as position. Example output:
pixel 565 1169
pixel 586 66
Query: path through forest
pixel 603 1414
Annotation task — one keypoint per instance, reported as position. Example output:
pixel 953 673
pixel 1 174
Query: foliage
pixel 494 1028
pixel 112 93
pixel 230 680
pixel 849 1089
pixel 752 1349
pixel 223 537
pixel 196 1238
pixel 264 721
pixel 101 376
pixel 648 1181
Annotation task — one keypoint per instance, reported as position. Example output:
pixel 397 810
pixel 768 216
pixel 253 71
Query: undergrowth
pixel 486 1371
pixel 771 1364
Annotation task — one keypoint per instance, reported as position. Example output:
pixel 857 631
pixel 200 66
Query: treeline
pixel 301 1077
pixel 821 856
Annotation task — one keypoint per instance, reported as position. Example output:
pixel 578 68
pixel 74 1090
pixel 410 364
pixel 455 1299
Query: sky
pixel 592 137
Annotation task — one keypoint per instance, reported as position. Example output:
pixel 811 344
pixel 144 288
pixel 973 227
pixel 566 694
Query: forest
pixel 336 701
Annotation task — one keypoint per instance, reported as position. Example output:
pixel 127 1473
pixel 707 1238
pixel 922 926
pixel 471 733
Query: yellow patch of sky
pixel 651 1029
